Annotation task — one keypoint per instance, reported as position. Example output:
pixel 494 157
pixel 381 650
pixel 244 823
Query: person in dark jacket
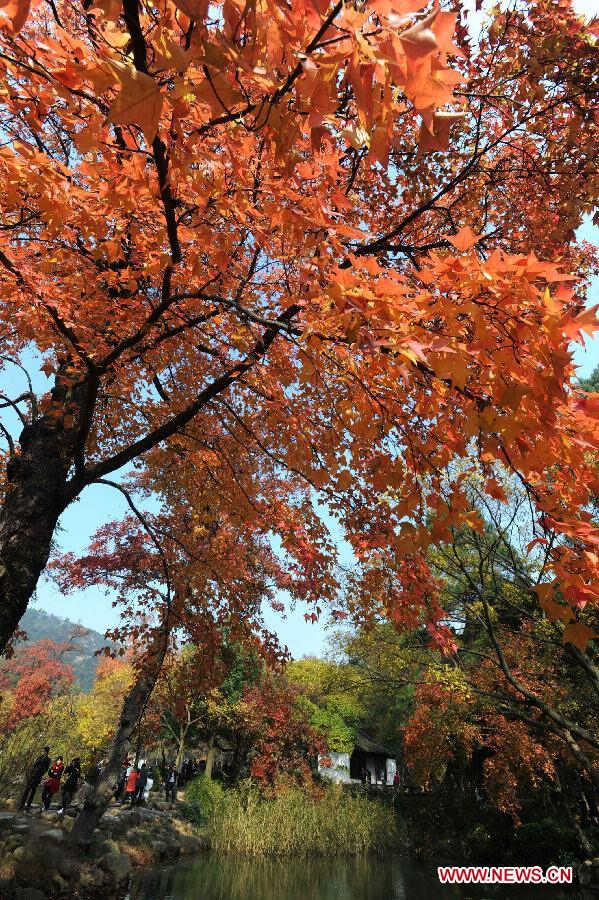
pixel 121 781
pixel 38 770
pixel 140 786
pixel 170 784
pixel 71 783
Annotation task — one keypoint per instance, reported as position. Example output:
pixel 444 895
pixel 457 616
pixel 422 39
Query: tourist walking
pixel 170 784
pixel 140 784
pixel 71 783
pixel 131 786
pixel 121 781
pixel 52 783
pixel 38 770
pixel 93 775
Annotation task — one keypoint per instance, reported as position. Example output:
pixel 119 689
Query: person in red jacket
pixel 52 783
pixel 131 785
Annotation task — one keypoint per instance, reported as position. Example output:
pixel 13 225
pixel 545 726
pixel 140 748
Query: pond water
pixel 215 877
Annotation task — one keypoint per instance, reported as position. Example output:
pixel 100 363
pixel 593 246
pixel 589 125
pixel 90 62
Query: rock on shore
pixel 37 861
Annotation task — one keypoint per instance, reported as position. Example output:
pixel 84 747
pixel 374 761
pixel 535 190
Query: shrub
pixel 545 841
pixel 203 800
pixel 332 822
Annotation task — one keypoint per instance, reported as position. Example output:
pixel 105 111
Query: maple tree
pixel 46 707
pixel 197 694
pixel 197 572
pixel 511 711
pixel 184 681
pixel 254 220
pixel 278 729
pixel 31 677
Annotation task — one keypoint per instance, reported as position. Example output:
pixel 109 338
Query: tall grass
pixel 294 821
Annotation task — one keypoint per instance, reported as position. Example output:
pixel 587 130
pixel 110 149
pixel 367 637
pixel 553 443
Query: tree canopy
pixel 274 256
pixel 251 224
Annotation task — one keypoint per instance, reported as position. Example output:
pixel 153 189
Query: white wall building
pixel 368 760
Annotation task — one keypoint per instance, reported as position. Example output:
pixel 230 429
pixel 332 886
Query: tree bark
pixel 99 797
pixel 181 747
pixel 210 757
pixel 36 496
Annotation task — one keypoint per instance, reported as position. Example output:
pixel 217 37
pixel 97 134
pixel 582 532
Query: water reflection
pixel 213 877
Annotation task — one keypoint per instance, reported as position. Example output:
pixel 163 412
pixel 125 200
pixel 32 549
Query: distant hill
pixel 39 624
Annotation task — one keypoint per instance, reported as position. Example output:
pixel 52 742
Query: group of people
pixel 132 786
pixel 43 765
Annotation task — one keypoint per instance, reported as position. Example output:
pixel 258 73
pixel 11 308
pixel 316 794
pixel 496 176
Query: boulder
pixel 117 825
pixel 67 866
pixel 49 816
pixel 190 845
pixel 40 857
pixel 132 817
pixel 59 883
pixel 29 893
pixel 54 834
pixel 15 840
pixel 135 836
pixel 91 881
pixel 107 845
pixel 146 815
pixel 117 865
pixel 173 850
pixel 7 820
pixel 160 849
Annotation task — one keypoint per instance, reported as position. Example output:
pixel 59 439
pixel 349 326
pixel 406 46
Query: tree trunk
pixel 210 757
pixel 36 495
pixel 181 748
pixel 138 747
pixel 99 797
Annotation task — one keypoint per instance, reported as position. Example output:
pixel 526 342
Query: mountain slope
pixel 39 624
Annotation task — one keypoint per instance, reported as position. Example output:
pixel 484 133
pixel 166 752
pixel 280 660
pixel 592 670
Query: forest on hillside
pixel 41 625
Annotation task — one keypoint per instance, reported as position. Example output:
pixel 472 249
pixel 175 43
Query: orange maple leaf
pixel 464 240
pixel 585 323
pixel 16 12
pixel 578 634
pixel 420 40
pixel 436 137
pixel 139 102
